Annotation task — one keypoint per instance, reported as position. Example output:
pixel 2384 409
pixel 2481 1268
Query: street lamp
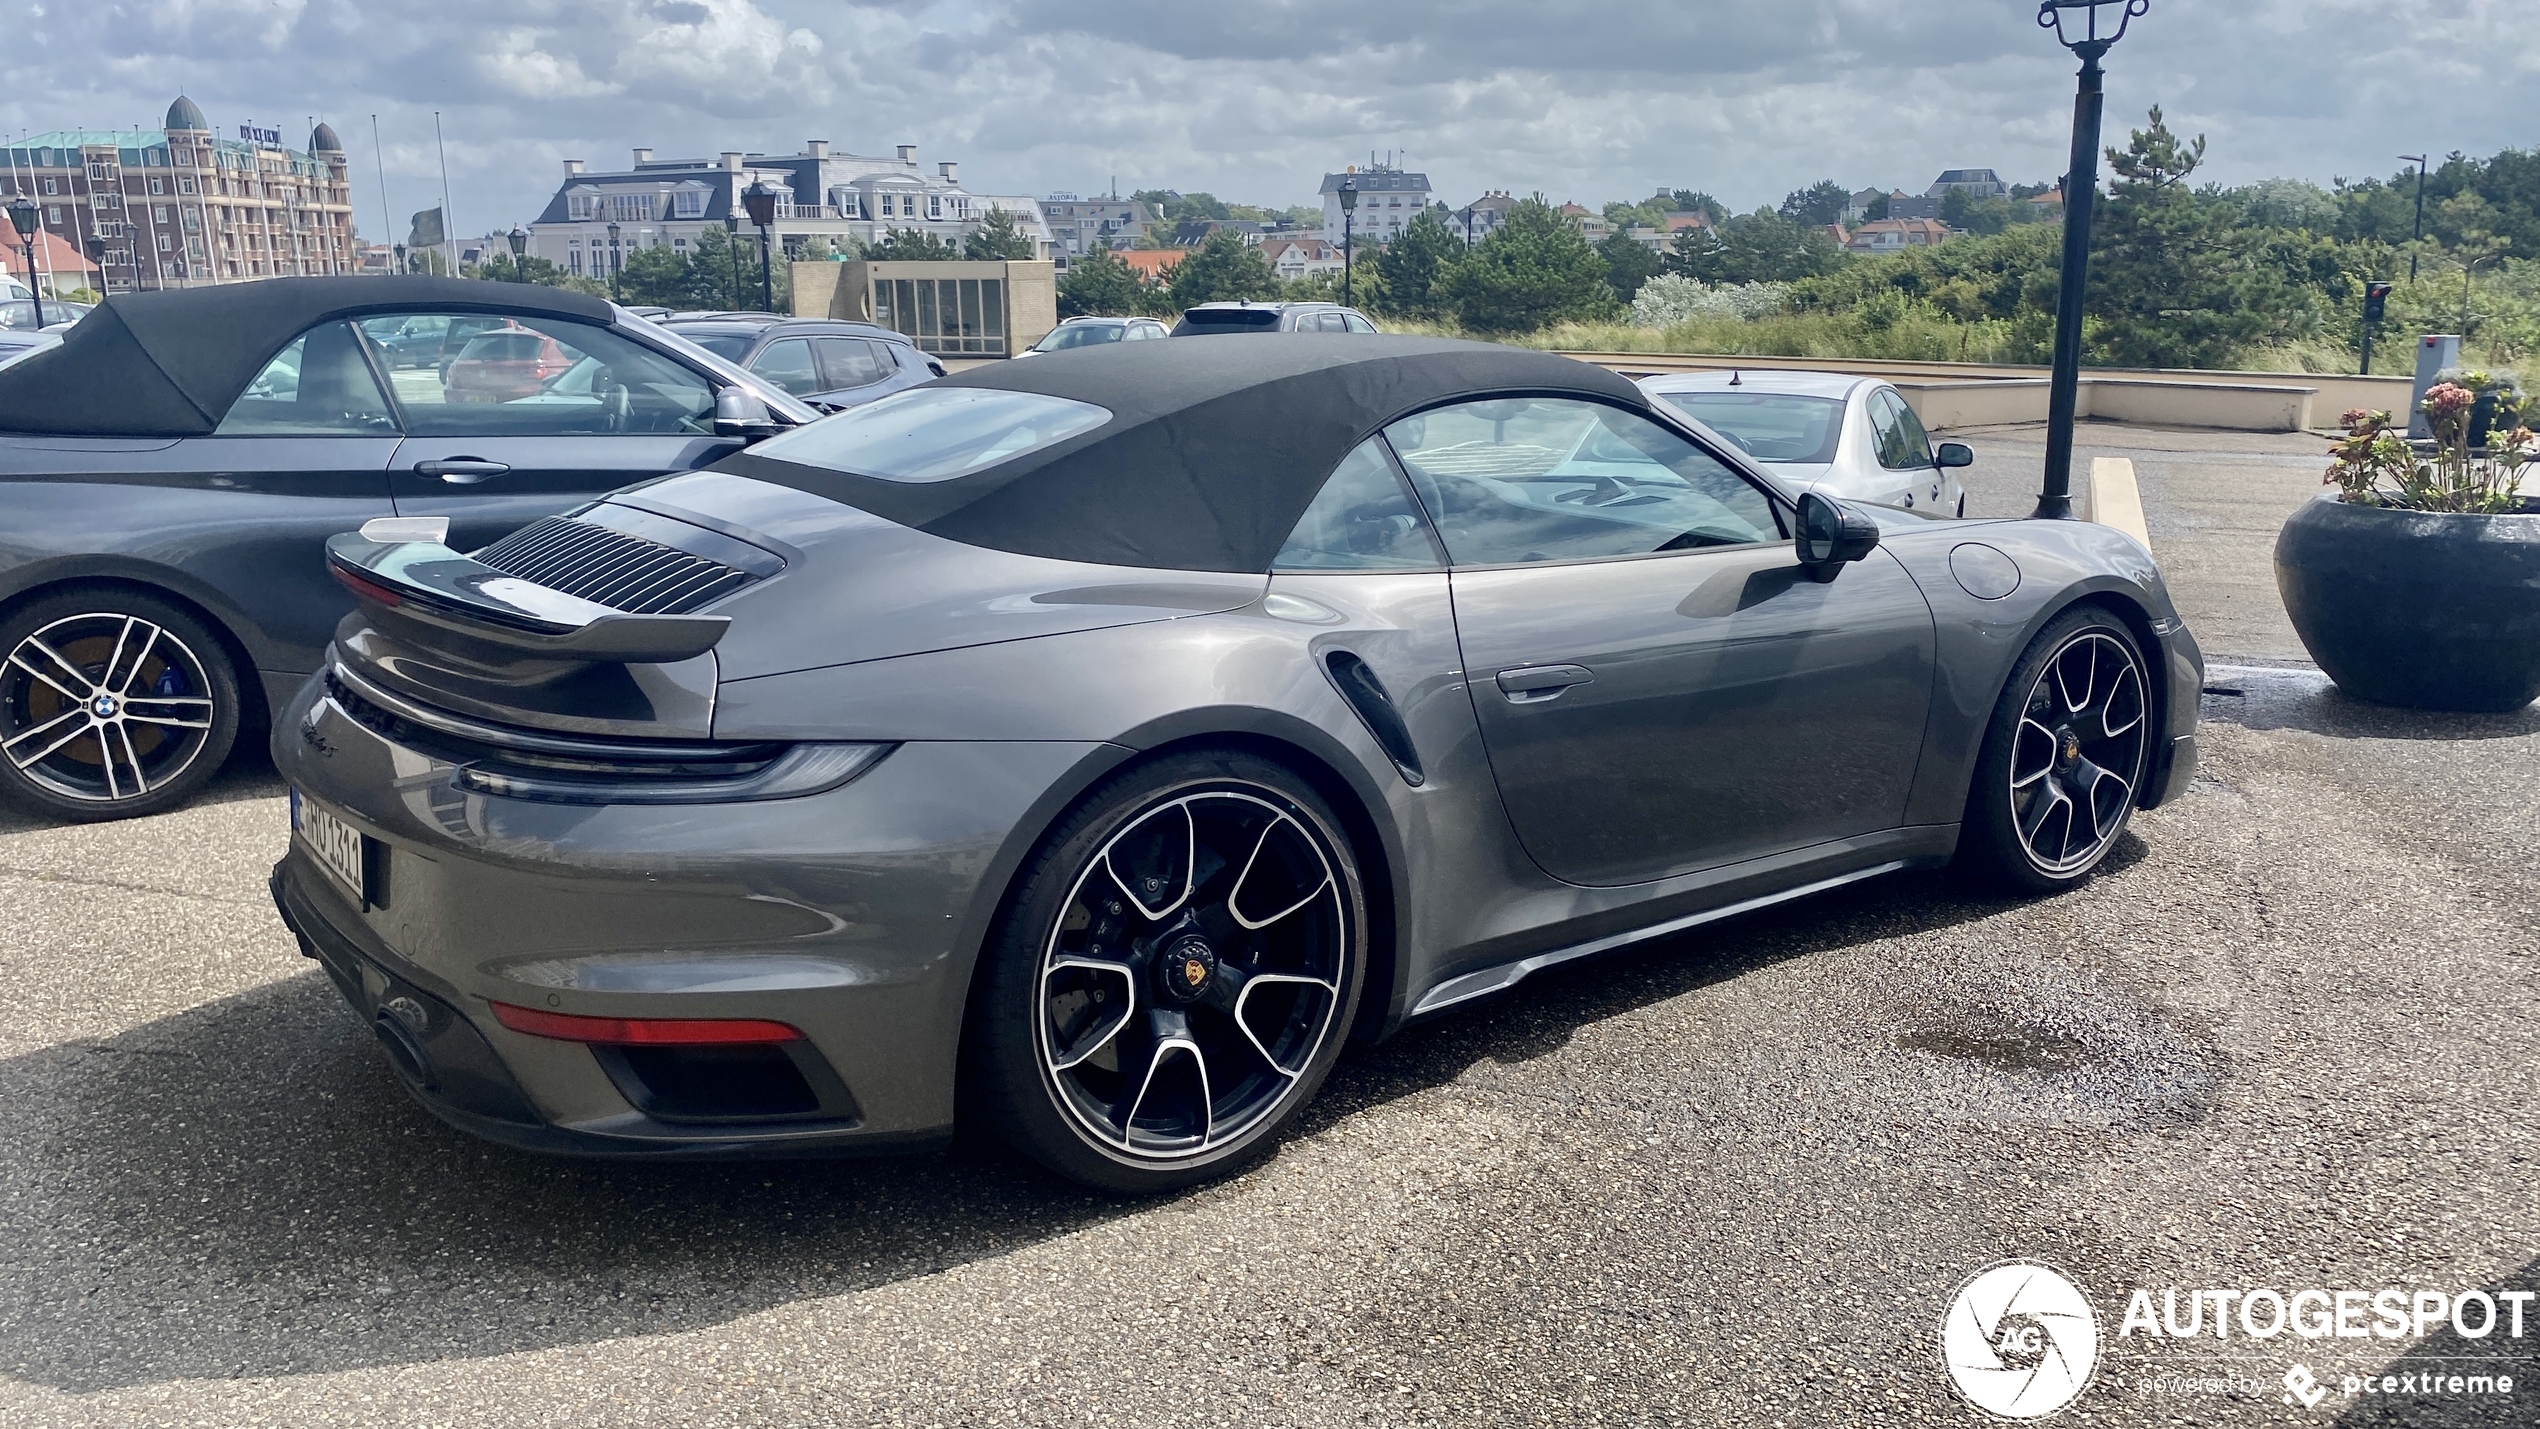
pixel 617 265
pixel 400 250
pixel 2100 24
pixel 1349 208
pixel 520 245
pixel 1467 216
pixel 95 248
pixel 2419 236
pixel 732 257
pixel 760 200
pixel 22 214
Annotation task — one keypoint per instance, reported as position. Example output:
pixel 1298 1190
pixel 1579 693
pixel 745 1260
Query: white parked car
pixel 1094 332
pixel 1850 437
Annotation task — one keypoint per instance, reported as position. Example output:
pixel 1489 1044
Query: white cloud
pixel 1582 99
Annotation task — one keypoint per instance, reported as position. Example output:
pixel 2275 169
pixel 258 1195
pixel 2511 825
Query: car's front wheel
pixel 1174 975
pixel 2063 758
pixel 112 703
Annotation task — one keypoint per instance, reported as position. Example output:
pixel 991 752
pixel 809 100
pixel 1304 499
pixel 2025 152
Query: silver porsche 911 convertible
pixel 1089 749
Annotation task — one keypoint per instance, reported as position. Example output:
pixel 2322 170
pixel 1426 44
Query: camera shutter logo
pixel 2019 1340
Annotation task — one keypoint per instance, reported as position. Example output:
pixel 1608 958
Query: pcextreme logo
pixel 2019 1340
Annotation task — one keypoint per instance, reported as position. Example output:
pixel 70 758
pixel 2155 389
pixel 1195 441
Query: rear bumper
pixel 853 916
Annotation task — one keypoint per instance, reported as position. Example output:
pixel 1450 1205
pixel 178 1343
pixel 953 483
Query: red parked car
pixel 505 365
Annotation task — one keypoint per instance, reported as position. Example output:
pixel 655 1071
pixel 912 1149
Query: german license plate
pixel 337 844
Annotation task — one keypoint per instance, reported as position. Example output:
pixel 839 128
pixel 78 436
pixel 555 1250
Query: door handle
pixel 1533 684
pixel 461 470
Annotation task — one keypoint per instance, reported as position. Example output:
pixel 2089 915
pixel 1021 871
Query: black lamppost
pixel 2418 236
pixel 95 248
pixel 1349 209
pixel 22 214
pixel 732 257
pixel 400 250
pixel 2081 188
pixel 760 200
pixel 520 245
pixel 617 265
pixel 1467 216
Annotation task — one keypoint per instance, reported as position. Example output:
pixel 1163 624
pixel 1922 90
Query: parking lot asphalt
pixel 2285 1038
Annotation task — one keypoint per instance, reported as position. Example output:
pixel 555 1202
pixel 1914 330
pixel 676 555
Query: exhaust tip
pixel 405 1050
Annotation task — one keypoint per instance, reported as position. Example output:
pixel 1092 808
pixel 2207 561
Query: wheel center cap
pixel 2067 749
pixel 1186 968
pixel 104 706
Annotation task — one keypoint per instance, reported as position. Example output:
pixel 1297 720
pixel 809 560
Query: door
pixel 301 455
pixel 1904 450
pixel 852 369
pixel 1660 688
pixel 536 416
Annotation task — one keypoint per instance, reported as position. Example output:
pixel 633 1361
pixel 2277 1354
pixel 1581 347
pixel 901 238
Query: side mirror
pixel 738 414
pixel 1954 454
pixel 1831 536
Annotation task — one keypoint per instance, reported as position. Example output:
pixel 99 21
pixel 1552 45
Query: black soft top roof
pixel 1213 451
pixel 168 364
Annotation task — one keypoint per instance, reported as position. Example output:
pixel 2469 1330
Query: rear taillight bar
pixel 643 1031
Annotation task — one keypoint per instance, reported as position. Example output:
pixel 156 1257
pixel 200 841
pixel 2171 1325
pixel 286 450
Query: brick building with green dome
pixel 181 207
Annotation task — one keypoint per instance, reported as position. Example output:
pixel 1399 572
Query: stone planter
pixel 2416 608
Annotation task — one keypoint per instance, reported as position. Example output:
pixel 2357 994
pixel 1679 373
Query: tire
pixel 2063 758
pixel 113 703
pixel 1143 1051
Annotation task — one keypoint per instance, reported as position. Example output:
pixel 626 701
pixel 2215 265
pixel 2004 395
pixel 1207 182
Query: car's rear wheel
pixel 2063 758
pixel 1173 977
pixel 112 703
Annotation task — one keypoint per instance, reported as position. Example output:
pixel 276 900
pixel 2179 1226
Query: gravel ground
pixel 2286 1038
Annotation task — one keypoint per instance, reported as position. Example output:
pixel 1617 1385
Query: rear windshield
pixel 727 345
pixel 1212 320
pixel 1768 426
pixel 1081 335
pixel 503 347
pixel 935 433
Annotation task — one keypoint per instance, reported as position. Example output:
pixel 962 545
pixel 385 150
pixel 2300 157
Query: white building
pixel 835 197
pixel 1388 198
pixel 1079 226
pixel 1293 258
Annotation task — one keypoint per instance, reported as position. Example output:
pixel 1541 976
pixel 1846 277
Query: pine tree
pixel 1100 285
pixel 1224 269
pixel 1533 270
pixel 1408 269
pixel 998 238
pixel 2174 280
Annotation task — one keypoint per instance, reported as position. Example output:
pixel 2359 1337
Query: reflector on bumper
pixel 642 1031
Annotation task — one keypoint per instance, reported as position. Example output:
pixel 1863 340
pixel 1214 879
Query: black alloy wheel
pixel 1174 977
pixel 2064 758
pixel 113 703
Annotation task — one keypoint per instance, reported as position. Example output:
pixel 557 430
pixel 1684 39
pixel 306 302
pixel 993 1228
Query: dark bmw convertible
pixel 1089 748
pixel 170 473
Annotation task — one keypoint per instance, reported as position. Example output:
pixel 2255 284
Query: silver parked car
pixel 1094 332
pixel 1853 438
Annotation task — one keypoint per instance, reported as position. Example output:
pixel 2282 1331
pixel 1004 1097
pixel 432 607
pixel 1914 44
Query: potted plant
pixel 2417 580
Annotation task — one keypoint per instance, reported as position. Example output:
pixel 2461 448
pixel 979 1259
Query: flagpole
pixel 387 214
pixel 449 229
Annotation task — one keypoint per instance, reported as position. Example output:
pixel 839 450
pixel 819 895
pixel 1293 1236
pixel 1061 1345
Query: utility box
pixel 954 310
pixel 2435 351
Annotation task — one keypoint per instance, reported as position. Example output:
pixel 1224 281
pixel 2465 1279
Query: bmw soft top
pixel 168 364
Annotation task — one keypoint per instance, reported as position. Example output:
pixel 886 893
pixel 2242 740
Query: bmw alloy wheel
pixel 111 707
pixel 2077 755
pixel 1194 976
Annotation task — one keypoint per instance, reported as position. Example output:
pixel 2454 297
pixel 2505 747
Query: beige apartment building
pixel 182 207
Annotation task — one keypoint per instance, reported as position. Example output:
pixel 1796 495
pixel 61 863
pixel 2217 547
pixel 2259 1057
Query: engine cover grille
pixel 612 568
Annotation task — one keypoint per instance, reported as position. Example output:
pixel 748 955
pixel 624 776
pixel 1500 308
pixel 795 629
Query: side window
pixel 1355 323
pixel 1897 434
pixel 1362 520
pixel 319 385
pixel 788 365
pixel 1917 442
pixel 1331 322
pixel 849 362
pixel 1525 480
pixel 474 374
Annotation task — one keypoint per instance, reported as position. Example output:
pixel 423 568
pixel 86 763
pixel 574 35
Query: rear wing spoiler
pixel 400 564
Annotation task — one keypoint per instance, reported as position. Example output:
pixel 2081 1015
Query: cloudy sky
pixel 1580 99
